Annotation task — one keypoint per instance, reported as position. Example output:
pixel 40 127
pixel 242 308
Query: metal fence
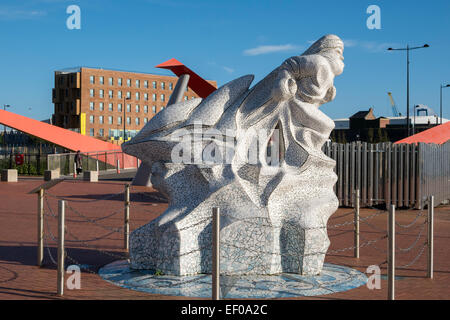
pixel 385 173
pixel 91 161
pixel 33 163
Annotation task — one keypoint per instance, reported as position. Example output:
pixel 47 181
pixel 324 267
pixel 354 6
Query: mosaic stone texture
pixel 274 210
pixel 333 279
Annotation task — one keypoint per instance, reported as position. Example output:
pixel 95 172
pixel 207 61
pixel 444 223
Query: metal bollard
pixel 40 228
pixel 74 169
pixel 356 238
pixel 61 252
pixel 126 228
pixel 430 237
pixel 118 166
pixel 391 258
pixel 215 254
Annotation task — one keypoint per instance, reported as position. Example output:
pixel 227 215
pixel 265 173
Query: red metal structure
pixel 67 139
pixel 200 86
pixel 62 137
pixel 438 135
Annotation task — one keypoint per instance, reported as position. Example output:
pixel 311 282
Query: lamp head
pixel 425 45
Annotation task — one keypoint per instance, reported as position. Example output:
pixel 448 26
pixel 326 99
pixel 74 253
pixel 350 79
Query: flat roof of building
pixel 78 69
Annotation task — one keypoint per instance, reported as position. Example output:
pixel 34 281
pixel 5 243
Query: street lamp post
pixel 442 86
pixel 4 127
pixel 407 49
pixel 124 115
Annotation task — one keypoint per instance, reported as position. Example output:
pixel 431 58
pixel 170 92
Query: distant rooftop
pixel 78 69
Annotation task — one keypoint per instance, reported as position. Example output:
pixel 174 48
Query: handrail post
pixel 61 251
pixel 126 228
pixel 356 218
pixel 391 258
pixel 215 254
pixel 40 228
pixel 430 241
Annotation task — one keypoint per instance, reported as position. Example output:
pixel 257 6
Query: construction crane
pixel 394 108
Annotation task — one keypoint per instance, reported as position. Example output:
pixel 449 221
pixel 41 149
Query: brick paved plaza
pixel 20 278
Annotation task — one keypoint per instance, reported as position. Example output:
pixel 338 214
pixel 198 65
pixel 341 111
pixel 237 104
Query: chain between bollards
pixel 215 254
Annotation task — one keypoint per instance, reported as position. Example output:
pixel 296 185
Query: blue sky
pixel 223 40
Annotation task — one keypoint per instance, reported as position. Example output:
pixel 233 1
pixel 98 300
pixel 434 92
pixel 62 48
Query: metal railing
pixel 385 173
pixel 91 161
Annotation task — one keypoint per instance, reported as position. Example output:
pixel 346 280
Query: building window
pixel 163 97
pixel 101 93
pixel 119 81
pixel 92 79
pixel 91 106
pixel 111 94
pixel 145 84
pixel 154 109
pixel 119 120
pixel 154 97
pixel 100 119
pixel 102 80
pixel 137 121
pixel 129 82
pixel 119 107
pixel 128 107
pixel 145 120
pixel 111 81
pixel 110 107
pixel 91 119
pixel 119 94
pixel 185 98
pixel 91 132
pixel 162 107
pixel 137 96
pixel 101 106
pixel 145 109
pixel 170 86
pixel 163 86
pixel 101 132
pixel 92 92
pixel 138 108
pixel 128 95
pixel 128 120
pixel 138 83
pixel 146 96
pixel 154 84
pixel 110 119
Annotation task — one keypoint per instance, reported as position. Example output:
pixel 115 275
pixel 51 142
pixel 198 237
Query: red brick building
pixel 97 102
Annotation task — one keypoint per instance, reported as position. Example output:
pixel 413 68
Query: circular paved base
pixel 333 279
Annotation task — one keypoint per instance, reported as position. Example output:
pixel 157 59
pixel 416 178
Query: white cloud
pixel 227 69
pixel 270 49
pixel 17 14
pixel 348 43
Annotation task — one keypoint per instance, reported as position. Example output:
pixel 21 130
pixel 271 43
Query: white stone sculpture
pixel 274 210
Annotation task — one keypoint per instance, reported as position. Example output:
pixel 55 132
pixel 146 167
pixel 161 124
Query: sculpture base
pixel 332 279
